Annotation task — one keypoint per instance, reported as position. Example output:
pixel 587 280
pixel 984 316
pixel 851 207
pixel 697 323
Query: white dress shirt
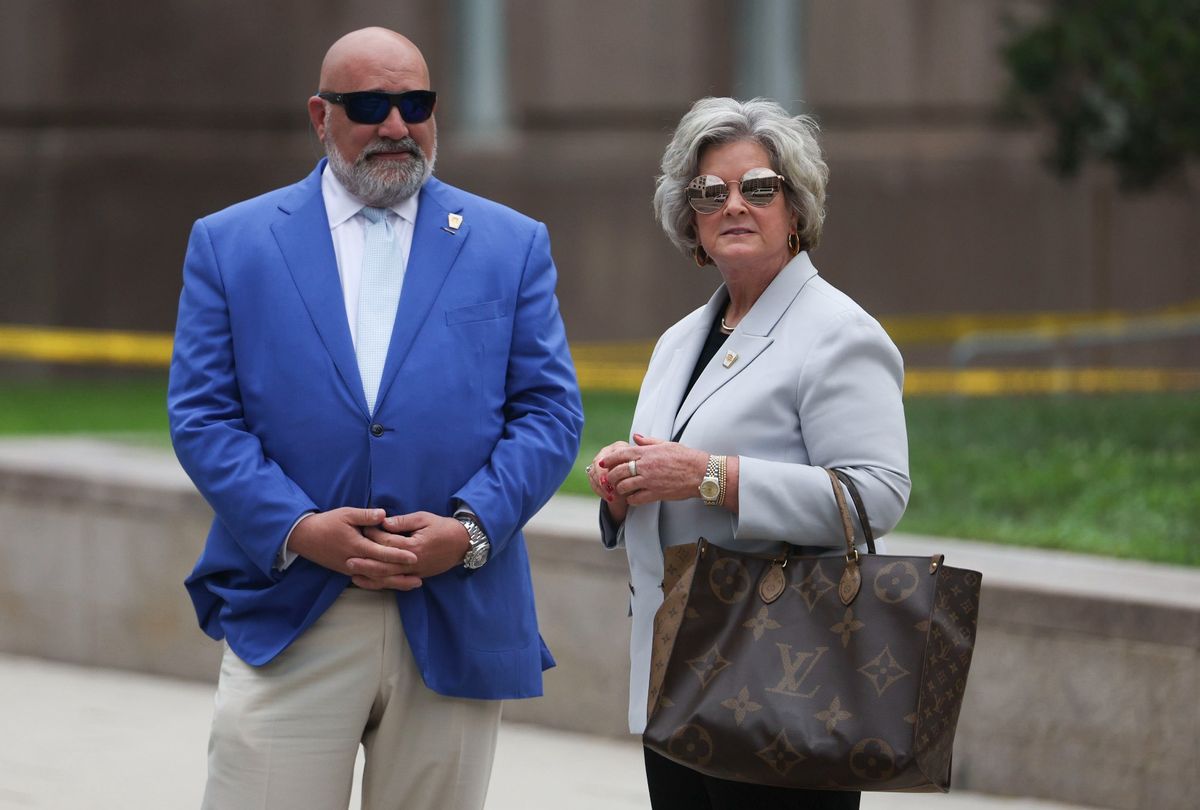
pixel 347 229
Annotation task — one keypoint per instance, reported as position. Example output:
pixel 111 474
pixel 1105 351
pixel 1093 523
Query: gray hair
pixel 789 140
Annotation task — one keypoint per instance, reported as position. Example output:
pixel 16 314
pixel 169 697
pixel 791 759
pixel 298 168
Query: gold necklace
pixel 726 328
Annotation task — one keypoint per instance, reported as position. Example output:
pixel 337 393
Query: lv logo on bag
pixel 789 684
pixel 743 646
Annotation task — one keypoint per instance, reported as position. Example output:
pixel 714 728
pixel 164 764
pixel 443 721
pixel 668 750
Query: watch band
pixel 715 475
pixel 477 553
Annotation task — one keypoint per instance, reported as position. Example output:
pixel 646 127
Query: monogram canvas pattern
pixel 678 570
pixel 805 691
pixel 947 657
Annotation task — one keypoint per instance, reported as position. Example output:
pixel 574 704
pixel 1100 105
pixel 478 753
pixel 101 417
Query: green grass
pixel 606 420
pixel 1112 475
pixel 134 408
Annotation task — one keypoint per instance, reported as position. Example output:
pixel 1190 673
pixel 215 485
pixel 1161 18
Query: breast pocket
pixel 473 313
pixel 481 336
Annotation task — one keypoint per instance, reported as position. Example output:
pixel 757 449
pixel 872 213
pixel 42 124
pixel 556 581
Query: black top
pixel 712 344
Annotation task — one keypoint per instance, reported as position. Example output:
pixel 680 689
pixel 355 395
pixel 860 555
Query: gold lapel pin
pixel 453 223
pixel 730 359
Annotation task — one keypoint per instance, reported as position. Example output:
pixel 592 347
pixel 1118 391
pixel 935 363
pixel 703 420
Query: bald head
pixel 373 54
pixel 379 162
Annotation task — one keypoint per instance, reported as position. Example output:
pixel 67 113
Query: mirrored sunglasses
pixel 708 194
pixel 371 107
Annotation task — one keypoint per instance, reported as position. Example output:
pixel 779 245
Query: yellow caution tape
pixel 976 382
pixel 621 366
pixel 85 346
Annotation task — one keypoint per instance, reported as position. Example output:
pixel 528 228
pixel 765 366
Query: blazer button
pixel 376 430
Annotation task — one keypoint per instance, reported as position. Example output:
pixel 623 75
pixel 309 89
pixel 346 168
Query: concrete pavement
pixel 1082 686
pixel 97 739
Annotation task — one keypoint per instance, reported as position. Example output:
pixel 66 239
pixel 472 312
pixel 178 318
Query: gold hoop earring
pixel 793 243
pixel 700 256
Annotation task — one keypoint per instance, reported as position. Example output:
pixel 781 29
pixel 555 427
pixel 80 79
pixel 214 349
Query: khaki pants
pixel 285 735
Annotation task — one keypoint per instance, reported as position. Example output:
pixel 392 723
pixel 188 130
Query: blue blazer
pixel 478 402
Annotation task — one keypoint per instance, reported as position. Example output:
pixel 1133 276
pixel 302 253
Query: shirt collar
pixel 340 204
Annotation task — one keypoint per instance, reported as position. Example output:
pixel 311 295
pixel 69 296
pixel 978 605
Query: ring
pixel 588 469
pixel 633 468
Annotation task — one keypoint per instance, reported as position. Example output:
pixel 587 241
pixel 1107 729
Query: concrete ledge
pixel 1084 686
pixel 95 540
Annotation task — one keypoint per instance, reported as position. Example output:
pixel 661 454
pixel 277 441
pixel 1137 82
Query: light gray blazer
pixel 816 382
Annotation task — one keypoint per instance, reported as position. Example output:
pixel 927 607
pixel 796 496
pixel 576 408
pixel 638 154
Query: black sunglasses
pixel 372 107
pixel 708 193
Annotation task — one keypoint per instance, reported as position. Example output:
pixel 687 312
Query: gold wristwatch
pixel 712 486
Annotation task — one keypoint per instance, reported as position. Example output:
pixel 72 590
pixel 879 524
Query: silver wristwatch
pixel 477 554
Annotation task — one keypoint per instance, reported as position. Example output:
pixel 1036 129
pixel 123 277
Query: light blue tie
pixel 378 297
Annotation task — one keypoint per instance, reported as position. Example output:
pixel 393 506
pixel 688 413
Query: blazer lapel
pixel 303 238
pixel 675 378
pixel 434 249
pixel 750 339
pixel 643 519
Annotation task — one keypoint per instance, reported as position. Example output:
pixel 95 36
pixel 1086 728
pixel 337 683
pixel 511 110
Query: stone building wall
pixel 121 123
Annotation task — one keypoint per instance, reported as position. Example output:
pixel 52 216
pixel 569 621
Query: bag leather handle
pixel 868 534
pixel 844 511
pixel 851 579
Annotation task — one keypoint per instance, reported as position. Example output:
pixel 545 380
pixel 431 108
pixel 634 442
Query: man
pixel 369 342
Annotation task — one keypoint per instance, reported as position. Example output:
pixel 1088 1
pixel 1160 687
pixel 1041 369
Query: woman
pixel 746 399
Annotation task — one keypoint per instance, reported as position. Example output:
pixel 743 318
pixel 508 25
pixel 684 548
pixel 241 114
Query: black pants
pixel 675 787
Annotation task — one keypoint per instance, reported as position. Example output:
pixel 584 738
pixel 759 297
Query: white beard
pixel 382 184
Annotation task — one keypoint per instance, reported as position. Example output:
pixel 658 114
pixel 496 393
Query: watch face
pixel 476 557
pixel 709 488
